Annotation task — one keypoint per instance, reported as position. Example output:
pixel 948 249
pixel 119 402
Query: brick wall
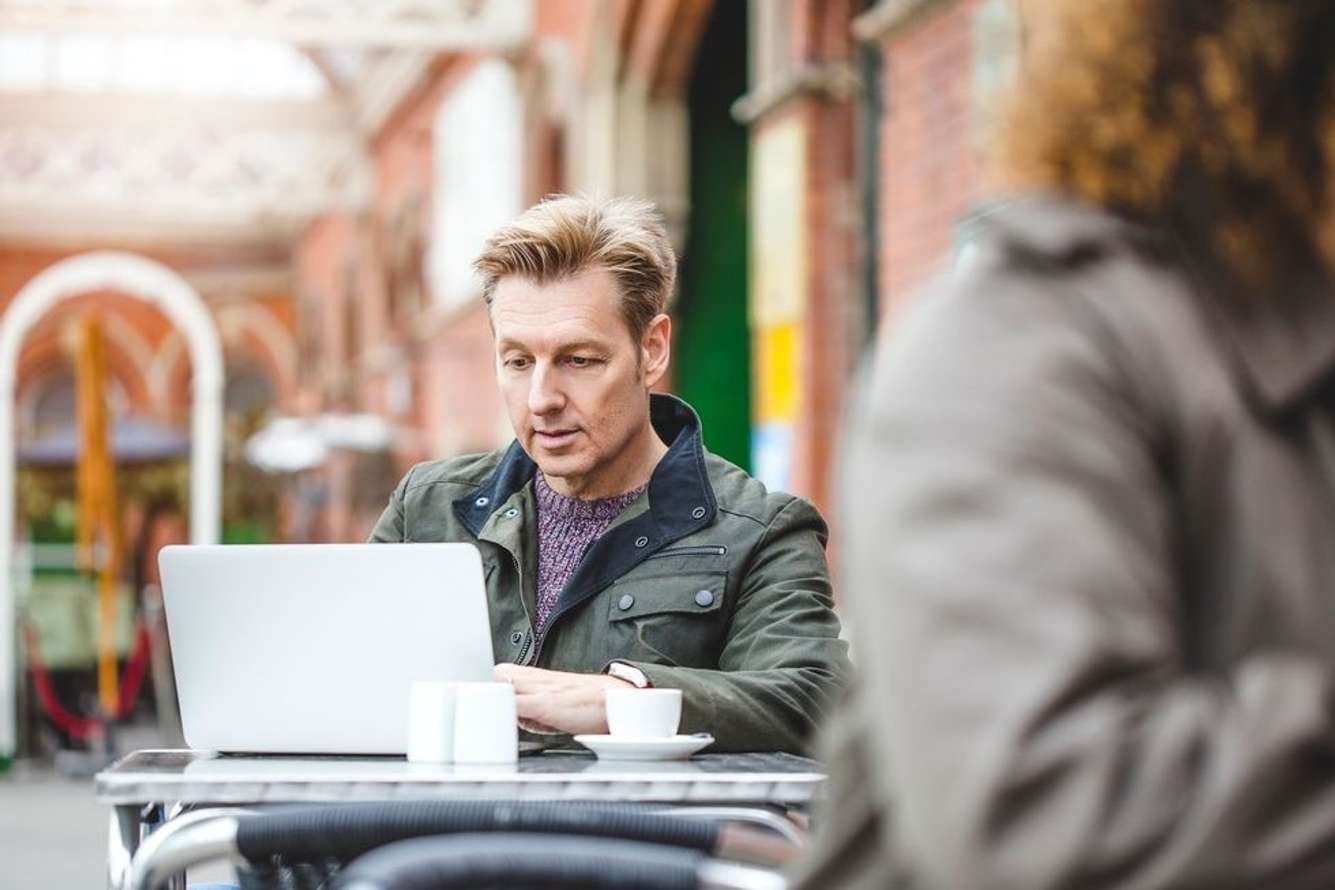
pixel 325 249
pixel 930 170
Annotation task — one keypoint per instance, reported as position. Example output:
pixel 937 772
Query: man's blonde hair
pixel 566 235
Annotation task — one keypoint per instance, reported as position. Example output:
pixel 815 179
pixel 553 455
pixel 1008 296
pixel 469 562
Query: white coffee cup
pixel 431 721
pixel 643 713
pixel 486 726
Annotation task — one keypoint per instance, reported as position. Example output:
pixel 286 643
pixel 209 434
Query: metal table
pixel 148 787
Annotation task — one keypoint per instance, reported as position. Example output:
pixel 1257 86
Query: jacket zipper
pixel 528 636
pixel 547 632
pixel 689 551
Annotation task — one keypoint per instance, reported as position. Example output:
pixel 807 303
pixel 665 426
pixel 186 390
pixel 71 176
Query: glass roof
pixel 201 65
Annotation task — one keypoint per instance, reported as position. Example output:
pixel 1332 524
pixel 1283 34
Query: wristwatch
pixel 632 675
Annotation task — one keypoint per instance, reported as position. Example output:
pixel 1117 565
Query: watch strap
pixel 629 673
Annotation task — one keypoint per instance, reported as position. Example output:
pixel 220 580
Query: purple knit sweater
pixel 566 528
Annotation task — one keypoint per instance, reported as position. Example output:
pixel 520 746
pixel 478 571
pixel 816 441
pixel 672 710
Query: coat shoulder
pixel 465 471
pixel 1053 252
pixel 744 496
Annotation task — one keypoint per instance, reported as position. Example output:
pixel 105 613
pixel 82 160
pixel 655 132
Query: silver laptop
pixel 311 648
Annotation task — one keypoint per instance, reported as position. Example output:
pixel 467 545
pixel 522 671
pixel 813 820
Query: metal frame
pixel 216 176
pixel 149 168
pixel 755 790
pixel 761 818
pixel 187 840
pixel 369 779
pixel 205 836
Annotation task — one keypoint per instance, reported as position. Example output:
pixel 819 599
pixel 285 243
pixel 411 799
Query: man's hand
pixel 556 701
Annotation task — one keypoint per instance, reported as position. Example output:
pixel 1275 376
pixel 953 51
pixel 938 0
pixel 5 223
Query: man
pixel 618 551
pixel 1096 485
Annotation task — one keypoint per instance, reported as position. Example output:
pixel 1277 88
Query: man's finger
pixel 522 677
pixel 531 706
pixel 539 728
pixel 507 672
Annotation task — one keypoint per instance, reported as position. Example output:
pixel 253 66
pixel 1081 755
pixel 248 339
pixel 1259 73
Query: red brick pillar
pixel 805 295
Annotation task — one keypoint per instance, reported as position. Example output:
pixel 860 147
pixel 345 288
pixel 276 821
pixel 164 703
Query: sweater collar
pixel 680 496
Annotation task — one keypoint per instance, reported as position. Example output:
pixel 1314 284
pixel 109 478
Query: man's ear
pixel 656 349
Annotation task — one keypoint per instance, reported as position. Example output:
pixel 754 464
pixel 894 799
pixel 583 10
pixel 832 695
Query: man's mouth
pixel 554 438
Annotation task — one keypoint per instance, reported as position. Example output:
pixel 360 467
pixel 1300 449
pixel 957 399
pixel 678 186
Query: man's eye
pixel 516 364
pixel 581 361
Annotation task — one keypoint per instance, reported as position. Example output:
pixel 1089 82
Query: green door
pixel 713 346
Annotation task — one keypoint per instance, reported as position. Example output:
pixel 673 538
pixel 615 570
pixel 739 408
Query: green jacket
pixel 707 583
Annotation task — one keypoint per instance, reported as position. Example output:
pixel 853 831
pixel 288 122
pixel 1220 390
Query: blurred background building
pixel 270 208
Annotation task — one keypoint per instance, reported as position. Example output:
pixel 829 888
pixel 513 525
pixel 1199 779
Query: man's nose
pixel 544 392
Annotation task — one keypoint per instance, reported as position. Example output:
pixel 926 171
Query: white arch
pixel 153 283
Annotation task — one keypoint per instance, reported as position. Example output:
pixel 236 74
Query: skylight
pixel 200 65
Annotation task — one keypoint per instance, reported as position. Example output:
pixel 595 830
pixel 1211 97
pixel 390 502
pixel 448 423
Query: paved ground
pixel 53 834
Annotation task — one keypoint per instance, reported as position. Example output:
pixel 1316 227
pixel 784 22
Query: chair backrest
pixel 290 846
pixel 543 862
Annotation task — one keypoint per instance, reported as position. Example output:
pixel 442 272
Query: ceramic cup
pixel 431 721
pixel 643 713
pixel 486 727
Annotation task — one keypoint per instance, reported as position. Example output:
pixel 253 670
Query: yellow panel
pixel 777 355
pixel 778 223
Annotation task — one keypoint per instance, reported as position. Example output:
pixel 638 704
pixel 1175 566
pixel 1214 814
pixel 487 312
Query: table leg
pixel 122 841
pixel 774 819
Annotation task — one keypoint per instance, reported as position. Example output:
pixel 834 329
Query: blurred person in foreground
pixel 618 551
pixel 1091 503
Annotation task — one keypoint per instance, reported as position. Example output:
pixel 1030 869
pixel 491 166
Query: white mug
pixel 431 721
pixel 486 726
pixel 643 713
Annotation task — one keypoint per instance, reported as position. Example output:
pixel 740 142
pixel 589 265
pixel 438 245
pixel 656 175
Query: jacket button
pixel 704 598
pixel 482 502
pixel 625 602
pixel 641 541
pixel 511 513
pixel 516 638
pixel 698 512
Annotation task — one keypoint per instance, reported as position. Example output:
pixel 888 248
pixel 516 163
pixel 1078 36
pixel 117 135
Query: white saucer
pixel 620 747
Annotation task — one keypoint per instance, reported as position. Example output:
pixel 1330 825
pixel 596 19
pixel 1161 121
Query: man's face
pixel 573 380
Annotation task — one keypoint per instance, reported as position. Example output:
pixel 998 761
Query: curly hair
pixel 1214 116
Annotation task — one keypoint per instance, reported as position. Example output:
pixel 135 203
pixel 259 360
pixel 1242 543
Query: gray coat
pixel 1091 576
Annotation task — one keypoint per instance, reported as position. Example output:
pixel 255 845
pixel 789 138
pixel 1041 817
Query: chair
pixel 296 846
pixel 545 862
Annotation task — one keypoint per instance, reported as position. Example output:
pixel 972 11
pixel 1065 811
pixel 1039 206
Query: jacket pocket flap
pixel 698 593
pixel 682 560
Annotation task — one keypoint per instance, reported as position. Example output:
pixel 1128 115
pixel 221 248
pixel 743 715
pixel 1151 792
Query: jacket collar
pixel 681 502
pixel 1281 341
pixel 681 499
pixel 1282 338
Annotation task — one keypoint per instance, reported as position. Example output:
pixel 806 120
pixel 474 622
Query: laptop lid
pixel 311 648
